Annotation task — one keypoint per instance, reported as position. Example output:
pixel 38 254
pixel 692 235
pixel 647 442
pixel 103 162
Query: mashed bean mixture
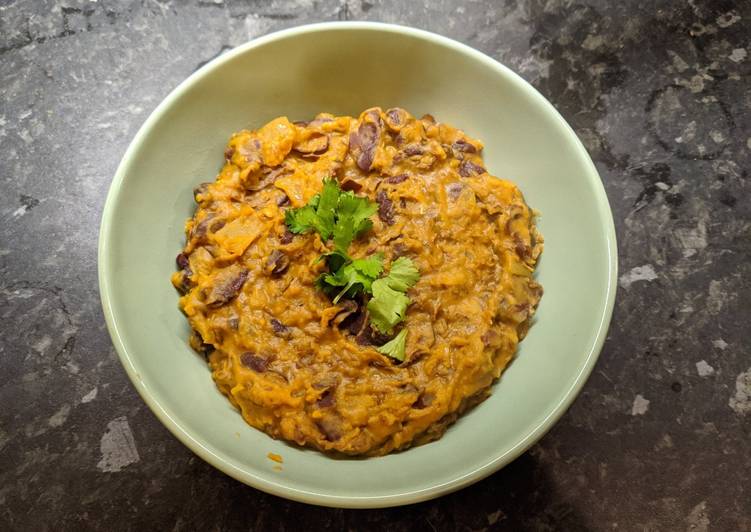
pixel 306 370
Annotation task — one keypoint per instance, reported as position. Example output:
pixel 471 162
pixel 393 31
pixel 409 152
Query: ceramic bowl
pixel 344 68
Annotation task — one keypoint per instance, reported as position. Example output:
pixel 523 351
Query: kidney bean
pixel 396 179
pixel 200 190
pixel 278 327
pixel 316 144
pixel 364 141
pixel 282 200
pixel 277 263
pixel 286 237
pixel 464 146
pixel 227 286
pixel 469 169
pixel 255 362
pixel 385 208
pixel 424 400
pixel 348 308
pixel 454 190
pixel 182 261
pixel 396 117
pixel 351 185
pixel 251 151
pixel 330 427
pixel 413 149
pixel 327 399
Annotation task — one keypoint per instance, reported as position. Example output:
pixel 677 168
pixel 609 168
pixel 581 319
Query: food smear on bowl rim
pixel 356 284
pixel 275 458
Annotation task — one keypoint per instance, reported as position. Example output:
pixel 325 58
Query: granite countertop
pixel 660 93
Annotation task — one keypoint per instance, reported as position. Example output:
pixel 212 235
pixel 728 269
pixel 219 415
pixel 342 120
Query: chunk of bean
pixel 197 343
pixel 413 149
pixel 330 427
pixel 251 151
pixel 470 169
pixel 277 263
pixel 282 200
pixel 364 141
pixel 182 261
pixel 396 179
pixel 424 400
pixel 226 286
pixel 385 208
pixel 347 308
pixel 491 338
pixel 327 381
pixel 217 225
pixel 464 146
pixel 327 399
pixel 266 178
pixel 315 145
pixel 454 190
pixel 287 237
pixel 278 327
pixel 200 190
pixel 351 185
pixel 255 362
pixel 396 118
pixel 201 228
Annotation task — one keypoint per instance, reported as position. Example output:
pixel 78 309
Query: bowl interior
pixel 344 69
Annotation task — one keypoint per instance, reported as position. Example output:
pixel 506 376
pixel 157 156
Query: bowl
pixel 344 68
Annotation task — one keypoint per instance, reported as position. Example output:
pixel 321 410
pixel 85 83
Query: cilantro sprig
pixel 356 276
pixel 342 216
pixel 333 212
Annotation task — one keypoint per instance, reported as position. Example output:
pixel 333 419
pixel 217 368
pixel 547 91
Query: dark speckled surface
pixel 659 91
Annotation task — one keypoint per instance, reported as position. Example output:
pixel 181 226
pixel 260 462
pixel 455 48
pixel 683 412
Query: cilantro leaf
pixel 300 220
pixel 356 276
pixel 359 208
pixel 387 307
pixel 403 274
pixel 389 303
pixel 371 266
pixel 353 218
pixel 344 233
pixel 334 259
pixel 327 206
pixel 395 347
pixel 318 214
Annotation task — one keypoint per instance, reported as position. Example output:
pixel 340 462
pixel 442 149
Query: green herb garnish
pixel 343 216
pixel 356 276
pixel 389 303
pixel 352 219
pixel 394 348
pixel 333 212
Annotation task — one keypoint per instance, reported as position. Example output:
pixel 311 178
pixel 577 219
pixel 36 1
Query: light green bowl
pixel 344 68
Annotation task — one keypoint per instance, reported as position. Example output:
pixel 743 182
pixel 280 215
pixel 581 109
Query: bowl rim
pixel 283 489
